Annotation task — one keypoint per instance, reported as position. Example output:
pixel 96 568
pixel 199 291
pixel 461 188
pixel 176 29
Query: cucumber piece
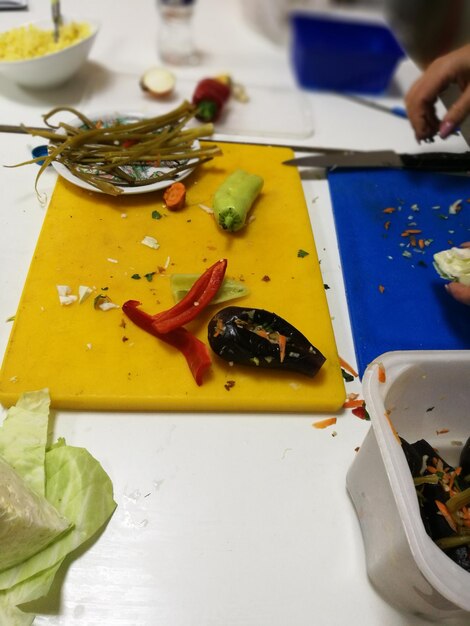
pixel 234 198
pixel 230 289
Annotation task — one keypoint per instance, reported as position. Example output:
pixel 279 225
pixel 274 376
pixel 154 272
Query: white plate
pixel 145 171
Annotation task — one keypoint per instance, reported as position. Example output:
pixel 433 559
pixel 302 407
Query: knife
pixel 427 161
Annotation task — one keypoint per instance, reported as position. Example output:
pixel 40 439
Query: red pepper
pixel 195 351
pixel 210 96
pixel 197 298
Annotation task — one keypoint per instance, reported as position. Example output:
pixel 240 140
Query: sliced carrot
pixel 389 210
pixel 325 423
pixel 345 365
pixel 352 404
pixel 447 516
pixel 175 196
pixel 421 243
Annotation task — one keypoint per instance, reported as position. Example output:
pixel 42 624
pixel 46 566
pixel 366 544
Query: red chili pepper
pixel 197 298
pixel 210 96
pixel 195 351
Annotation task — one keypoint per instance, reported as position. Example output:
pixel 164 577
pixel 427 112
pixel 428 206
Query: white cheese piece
pixel 112 260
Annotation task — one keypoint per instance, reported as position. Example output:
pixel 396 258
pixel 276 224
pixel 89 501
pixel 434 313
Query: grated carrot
pixel 381 288
pixel 381 373
pixel 325 423
pixel 447 516
pixel 345 365
pixel 387 225
pixel 389 210
pixel 352 404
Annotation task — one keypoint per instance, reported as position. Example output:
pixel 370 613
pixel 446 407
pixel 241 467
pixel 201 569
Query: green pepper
pixel 234 198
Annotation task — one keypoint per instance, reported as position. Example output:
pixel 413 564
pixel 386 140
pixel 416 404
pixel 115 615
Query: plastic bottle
pixel 175 36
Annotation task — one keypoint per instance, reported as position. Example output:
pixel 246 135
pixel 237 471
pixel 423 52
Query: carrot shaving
pixel 325 423
pixel 352 404
pixel 387 225
pixel 447 516
pixel 431 469
pixel 345 365
pixel 381 373
pixel 389 210
pixel 281 339
pixel 381 288
pixel 421 243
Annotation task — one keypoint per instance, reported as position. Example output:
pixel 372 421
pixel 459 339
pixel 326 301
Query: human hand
pixel 421 98
pixel 457 290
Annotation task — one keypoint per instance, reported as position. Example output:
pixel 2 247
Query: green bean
pixel 107 149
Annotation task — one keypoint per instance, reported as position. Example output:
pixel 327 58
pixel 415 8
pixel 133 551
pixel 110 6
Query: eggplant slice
pixel 256 337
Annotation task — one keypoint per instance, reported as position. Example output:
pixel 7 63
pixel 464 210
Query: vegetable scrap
pixel 230 288
pixel 168 325
pixel 255 337
pixel 174 196
pixel 381 375
pixel 150 242
pixel 302 253
pixel 158 82
pixel 98 153
pixel 345 365
pixel 57 497
pixel 156 215
pixel 234 198
pixel 453 264
pixel 330 421
pixel 230 384
pixel 444 497
pixel 210 97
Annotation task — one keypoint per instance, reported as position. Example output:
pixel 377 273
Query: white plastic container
pixel 425 392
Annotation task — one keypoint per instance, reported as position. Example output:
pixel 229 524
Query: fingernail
pixel 446 129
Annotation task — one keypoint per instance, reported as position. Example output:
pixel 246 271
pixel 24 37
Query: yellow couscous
pixel 29 41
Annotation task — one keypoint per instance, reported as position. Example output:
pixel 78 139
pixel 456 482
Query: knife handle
pixel 437 161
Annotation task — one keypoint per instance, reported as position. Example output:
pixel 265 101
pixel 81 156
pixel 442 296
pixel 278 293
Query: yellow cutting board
pixel 95 360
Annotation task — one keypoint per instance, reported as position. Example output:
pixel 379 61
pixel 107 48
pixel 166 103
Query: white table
pixel 221 519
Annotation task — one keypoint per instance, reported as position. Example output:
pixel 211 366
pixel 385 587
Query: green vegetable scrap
pixel 234 198
pixel 302 253
pixel 63 492
pixel 230 289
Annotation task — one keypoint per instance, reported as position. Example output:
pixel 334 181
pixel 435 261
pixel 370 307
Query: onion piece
pixel 158 82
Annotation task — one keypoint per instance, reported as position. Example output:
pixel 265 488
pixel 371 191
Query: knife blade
pixel 427 161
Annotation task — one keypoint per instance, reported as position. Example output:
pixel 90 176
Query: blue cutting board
pixel 396 299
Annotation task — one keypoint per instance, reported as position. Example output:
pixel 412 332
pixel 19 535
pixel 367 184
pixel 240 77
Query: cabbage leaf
pixel 74 484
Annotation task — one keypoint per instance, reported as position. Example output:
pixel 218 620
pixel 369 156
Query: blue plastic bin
pixel 332 53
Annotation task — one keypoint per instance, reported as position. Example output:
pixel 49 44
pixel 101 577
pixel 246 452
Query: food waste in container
pixel 425 395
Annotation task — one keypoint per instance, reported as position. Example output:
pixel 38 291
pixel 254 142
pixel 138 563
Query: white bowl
pixel 424 391
pixel 52 69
